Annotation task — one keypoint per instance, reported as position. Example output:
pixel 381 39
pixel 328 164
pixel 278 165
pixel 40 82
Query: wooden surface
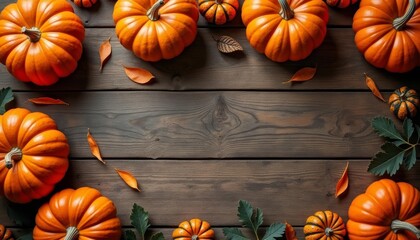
pixel 214 128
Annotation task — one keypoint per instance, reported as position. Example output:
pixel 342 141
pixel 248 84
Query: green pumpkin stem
pixel 15 152
pixel 400 23
pixel 194 237
pixel 286 12
pixel 153 12
pixel 329 232
pixel 33 33
pixel 401 225
pixel 72 233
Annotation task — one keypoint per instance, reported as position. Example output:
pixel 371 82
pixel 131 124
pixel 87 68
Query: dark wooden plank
pixel 218 124
pixel 202 67
pixel 173 191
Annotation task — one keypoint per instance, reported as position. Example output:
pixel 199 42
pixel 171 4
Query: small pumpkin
pixel 387 210
pixel 194 229
pixel 5 234
pixel 33 155
pixel 403 102
pixel 156 30
pixel 77 214
pixel 218 11
pixel 341 3
pixel 324 225
pixel 388 33
pixel 40 41
pixel 285 29
pixel 85 3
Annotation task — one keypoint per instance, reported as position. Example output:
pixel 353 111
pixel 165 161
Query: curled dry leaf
pixel 343 182
pixel 290 232
pixel 227 44
pixel 303 74
pixel 372 86
pixel 128 178
pixel 94 148
pixel 47 101
pixel 105 52
pixel 138 75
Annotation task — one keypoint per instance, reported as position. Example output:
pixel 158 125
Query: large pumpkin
pixel 77 214
pixel 156 30
pixel 388 33
pixel 33 155
pixel 285 29
pixel 40 40
pixel 386 211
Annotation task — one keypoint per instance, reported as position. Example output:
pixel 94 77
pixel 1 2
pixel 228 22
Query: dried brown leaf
pixel 94 148
pixel 303 75
pixel 128 178
pixel 226 44
pixel 290 232
pixel 343 182
pixel 47 101
pixel 138 75
pixel 105 51
pixel 372 86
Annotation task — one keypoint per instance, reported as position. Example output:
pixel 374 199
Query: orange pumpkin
pixel 388 33
pixel 5 234
pixel 33 155
pixel 325 225
pixel 85 3
pixel 156 30
pixel 194 229
pixel 386 211
pixel 218 11
pixel 41 40
pixel 341 3
pixel 77 214
pixel 404 102
pixel 285 29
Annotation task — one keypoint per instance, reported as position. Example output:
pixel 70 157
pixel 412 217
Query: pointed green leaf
pixel 247 216
pixel 387 161
pixel 234 234
pixel 6 96
pixel 140 219
pixel 129 235
pixel 276 230
pixel 408 128
pixel 384 127
pixel 410 159
pixel 157 236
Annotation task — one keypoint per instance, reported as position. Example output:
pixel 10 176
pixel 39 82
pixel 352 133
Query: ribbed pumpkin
pixel 33 155
pixel 403 102
pixel 156 30
pixel 194 229
pixel 218 11
pixel 285 29
pixel 40 40
pixel 324 225
pixel 77 214
pixel 388 33
pixel 341 3
pixel 5 234
pixel 85 3
pixel 386 211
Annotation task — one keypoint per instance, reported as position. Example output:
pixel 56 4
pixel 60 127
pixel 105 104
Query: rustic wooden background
pixel 214 128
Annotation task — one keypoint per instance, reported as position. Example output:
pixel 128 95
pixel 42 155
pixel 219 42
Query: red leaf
pixel 138 75
pixel 290 232
pixel 372 86
pixel 94 148
pixel 303 74
pixel 343 182
pixel 105 52
pixel 47 101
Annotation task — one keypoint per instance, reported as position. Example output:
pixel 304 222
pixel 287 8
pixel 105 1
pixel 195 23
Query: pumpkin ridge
pixel 234 7
pixel 225 12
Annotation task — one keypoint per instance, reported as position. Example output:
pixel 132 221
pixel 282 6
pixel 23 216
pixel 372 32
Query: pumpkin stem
pixel 329 232
pixel 399 23
pixel 286 12
pixel 153 12
pixel 33 33
pixel 72 233
pixel 9 157
pixel 194 237
pixel 398 225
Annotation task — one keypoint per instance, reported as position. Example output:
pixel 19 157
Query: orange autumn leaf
pixel 47 101
pixel 105 52
pixel 343 182
pixel 138 75
pixel 372 86
pixel 303 74
pixel 128 178
pixel 290 232
pixel 94 148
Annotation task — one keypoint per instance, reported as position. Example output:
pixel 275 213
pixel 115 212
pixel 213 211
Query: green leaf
pixel 129 235
pixel 387 161
pixel 248 217
pixel 140 219
pixel 408 128
pixel 410 159
pixel 384 127
pixel 276 230
pixel 6 96
pixel 233 234
pixel 157 236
